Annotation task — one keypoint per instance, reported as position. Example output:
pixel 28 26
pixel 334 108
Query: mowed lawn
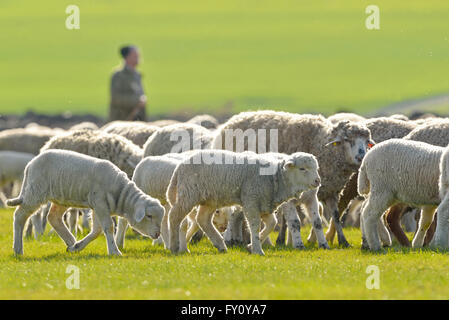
pixel 151 272
pixel 224 56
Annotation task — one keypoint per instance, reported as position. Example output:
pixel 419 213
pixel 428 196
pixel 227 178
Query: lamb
pixel 136 131
pixel 257 183
pixel 152 176
pixel 338 147
pixel 177 138
pixel 12 165
pixel 205 120
pixel 398 171
pixel 25 140
pixel 107 146
pixel 441 238
pixel 68 179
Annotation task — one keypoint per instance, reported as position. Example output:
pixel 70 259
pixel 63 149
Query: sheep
pixel 398 171
pixel 434 131
pixel 136 131
pixel 12 165
pixel 84 125
pixel 25 140
pixel 399 116
pixel 441 237
pixel 107 146
pixel 257 183
pixel 341 116
pixel 152 175
pixel 177 138
pixel 338 147
pixel 205 120
pixel 69 178
pixel 382 129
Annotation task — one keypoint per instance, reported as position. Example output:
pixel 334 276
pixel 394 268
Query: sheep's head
pixel 301 172
pixel 147 217
pixel 354 139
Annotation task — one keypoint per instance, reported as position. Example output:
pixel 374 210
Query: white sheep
pixel 71 179
pixel 205 120
pixel 25 140
pixel 398 171
pixel 339 149
pixel 152 176
pixel 177 138
pixel 84 125
pixel 12 165
pixel 217 178
pixel 136 131
pixel 441 237
pixel 95 143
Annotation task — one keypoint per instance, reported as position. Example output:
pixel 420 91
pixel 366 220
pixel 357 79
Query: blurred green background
pixel 224 56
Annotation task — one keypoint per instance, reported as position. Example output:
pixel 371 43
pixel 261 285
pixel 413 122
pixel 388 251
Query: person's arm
pixel 118 97
pixel 140 105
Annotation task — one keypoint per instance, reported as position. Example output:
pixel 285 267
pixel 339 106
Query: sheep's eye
pixel 150 217
pixel 302 169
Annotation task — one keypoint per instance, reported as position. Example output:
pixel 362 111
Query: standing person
pixel 127 97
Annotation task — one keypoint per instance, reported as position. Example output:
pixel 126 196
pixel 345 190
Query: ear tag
pixel 334 144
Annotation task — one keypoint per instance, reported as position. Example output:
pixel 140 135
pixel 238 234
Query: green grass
pixel 151 272
pixel 224 56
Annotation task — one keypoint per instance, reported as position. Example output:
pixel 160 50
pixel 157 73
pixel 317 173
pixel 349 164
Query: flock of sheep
pixel 234 182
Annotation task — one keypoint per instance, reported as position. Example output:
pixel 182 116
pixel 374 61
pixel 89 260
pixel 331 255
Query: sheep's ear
pixel 140 214
pixel 289 165
pixel 334 142
pixel 371 144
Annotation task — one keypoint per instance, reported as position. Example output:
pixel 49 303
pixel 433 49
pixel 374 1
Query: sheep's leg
pixel 107 224
pixel 182 235
pixel 92 235
pixel 72 220
pixel 280 240
pixel 234 234
pixel 253 217
pixel 29 229
pixel 293 224
pixel 175 217
pixel 331 204
pixel 312 207
pixel 165 233
pixel 122 226
pixel 36 221
pixel 21 215
pixel 393 218
pixel 431 231
pixel 204 220
pixel 441 237
pixel 372 212
pixel 55 219
pixel 270 222
pixel 85 220
pixel 192 230
pixel 424 223
pixel 384 234
pixel 3 199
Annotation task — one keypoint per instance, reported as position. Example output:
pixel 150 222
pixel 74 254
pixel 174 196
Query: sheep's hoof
pixel 223 250
pixel 344 243
pixel 181 251
pixel 323 246
pixel 299 247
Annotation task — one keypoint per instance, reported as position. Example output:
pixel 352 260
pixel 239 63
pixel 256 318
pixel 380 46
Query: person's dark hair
pixel 124 51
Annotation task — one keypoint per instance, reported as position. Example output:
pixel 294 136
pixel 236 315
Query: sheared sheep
pixel 136 131
pixel 71 179
pixel 95 143
pixel 177 138
pixel 217 178
pixel 205 120
pixel 338 147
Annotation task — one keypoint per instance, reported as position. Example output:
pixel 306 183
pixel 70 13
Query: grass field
pixel 150 272
pixel 224 56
